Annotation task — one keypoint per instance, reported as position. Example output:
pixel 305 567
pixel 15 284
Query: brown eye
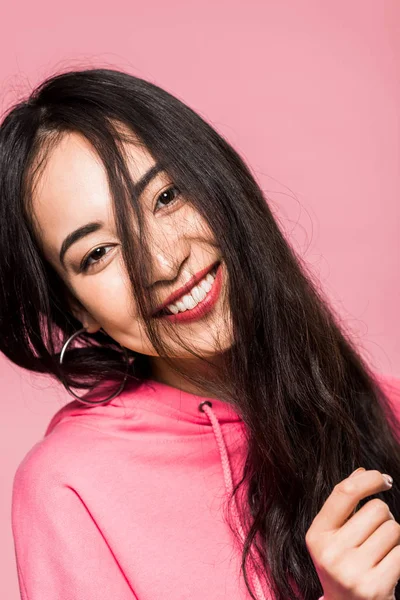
pixel 97 255
pixel 169 195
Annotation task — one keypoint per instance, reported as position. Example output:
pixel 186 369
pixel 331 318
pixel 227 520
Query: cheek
pixel 190 223
pixel 107 297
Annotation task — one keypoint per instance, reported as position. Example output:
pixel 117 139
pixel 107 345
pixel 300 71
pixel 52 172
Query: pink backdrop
pixel 307 91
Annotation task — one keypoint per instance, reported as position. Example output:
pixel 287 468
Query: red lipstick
pixel 203 307
pixel 184 289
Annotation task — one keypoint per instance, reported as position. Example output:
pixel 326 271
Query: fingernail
pixel 357 471
pixel 388 479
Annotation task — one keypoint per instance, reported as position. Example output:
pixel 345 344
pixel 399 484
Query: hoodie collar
pixel 203 409
pixel 162 398
pixel 174 402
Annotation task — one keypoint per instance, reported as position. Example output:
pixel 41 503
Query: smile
pixel 198 302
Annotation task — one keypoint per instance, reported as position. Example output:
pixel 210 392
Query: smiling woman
pixel 72 216
pixel 129 221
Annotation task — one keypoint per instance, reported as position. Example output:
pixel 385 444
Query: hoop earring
pixel 121 387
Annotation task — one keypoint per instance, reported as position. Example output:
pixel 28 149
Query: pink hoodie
pixel 125 501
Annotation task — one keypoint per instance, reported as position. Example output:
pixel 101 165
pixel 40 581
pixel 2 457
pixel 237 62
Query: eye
pixel 97 253
pixel 169 195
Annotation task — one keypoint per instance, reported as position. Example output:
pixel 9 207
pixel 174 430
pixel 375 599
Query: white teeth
pixel 206 285
pixel 197 294
pixel 189 301
pixel 174 309
pixel 210 278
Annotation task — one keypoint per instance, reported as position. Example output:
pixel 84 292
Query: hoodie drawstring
pixel 206 407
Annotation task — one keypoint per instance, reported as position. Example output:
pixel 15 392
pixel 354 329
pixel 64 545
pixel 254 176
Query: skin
pixel 356 554
pixel 356 557
pixel 73 191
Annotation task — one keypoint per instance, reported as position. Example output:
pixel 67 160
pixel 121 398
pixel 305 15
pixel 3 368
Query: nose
pixel 167 264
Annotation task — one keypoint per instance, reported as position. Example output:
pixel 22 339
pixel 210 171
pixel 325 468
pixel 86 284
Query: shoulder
pixel 34 489
pixel 390 385
pixel 48 464
pixel 36 472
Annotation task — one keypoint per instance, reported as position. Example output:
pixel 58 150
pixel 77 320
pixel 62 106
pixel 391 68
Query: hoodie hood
pixel 149 395
pixel 185 411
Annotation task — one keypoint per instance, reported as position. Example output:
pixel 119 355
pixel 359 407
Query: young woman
pixel 220 406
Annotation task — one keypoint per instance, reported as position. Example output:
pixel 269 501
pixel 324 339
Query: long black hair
pixel 313 408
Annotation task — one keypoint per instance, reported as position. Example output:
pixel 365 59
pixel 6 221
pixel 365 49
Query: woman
pixel 225 407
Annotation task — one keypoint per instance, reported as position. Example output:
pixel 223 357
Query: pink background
pixel 308 92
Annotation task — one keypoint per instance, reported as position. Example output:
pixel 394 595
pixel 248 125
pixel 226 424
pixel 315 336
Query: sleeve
pixel 391 386
pixel 59 550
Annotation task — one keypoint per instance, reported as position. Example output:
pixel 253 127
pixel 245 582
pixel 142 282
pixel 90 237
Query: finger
pixel 388 569
pixel 380 543
pixel 344 498
pixel 363 523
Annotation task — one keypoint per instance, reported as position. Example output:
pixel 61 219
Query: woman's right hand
pixel 357 556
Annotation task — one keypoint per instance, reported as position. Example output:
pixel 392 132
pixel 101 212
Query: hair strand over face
pixel 313 409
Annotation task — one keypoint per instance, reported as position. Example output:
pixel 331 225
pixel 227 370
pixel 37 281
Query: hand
pixel 356 556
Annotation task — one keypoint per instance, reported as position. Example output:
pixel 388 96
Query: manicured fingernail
pixel 359 470
pixel 388 479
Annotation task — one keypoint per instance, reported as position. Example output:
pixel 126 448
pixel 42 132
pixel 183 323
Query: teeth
pixel 197 294
pixel 205 285
pixel 189 301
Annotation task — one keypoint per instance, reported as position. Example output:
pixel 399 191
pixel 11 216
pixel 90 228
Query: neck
pixel 163 373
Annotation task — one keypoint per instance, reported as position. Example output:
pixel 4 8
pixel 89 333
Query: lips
pixel 186 288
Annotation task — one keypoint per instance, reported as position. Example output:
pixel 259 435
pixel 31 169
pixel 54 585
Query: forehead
pixel 72 189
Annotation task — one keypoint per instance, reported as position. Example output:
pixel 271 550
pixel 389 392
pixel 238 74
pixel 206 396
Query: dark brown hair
pixel 312 407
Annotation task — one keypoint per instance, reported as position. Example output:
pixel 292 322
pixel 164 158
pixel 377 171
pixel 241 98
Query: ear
pixel 82 314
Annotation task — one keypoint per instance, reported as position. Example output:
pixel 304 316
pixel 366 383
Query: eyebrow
pixel 76 235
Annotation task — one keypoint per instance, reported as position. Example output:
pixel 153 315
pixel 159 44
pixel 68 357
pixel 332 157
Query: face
pixel 72 191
